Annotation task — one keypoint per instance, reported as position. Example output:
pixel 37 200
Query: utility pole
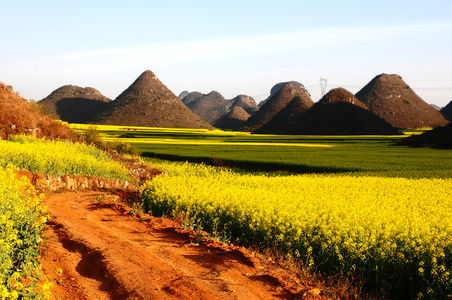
pixel 323 85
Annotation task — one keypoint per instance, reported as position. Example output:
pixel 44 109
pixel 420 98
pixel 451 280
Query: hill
pixel 148 102
pixel 390 98
pixel 74 104
pixel 440 137
pixel 235 118
pixel 275 104
pixel 435 106
pixel 246 102
pixel 17 116
pixel 447 111
pixel 213 106
pixel 341 95
pixel 210 107
pixel 279 86
pixel 340 113
pixel 285 118
pixel 183 94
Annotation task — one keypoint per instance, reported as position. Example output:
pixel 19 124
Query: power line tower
pixel 323 85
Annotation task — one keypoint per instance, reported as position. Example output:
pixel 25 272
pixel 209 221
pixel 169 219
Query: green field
pixel 348 205
pixel 362 155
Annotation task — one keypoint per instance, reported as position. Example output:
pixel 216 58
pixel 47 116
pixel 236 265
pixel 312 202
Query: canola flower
pixel 169 141
pixel 395 232
pixel 83 127
pixel 21 221
pixel 58 158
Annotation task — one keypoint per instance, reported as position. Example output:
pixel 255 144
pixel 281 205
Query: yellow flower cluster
pixel 21 221
pixel 110 128
pixel 395 232
pixel 58 158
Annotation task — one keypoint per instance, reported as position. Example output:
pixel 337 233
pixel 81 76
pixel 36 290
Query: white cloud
pixel 241 62
pixel 170 53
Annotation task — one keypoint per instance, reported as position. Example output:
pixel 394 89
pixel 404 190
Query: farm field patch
pixel 58 158
pixel 360 155
pixel 349 205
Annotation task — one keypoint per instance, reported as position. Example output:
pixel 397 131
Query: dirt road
pixel 105 252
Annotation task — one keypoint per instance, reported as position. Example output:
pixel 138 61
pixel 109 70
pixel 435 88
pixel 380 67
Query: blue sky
pixel 234 47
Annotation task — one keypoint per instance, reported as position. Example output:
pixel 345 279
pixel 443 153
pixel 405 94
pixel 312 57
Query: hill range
pixel 384 105
pixel 213 106
pixel 288 110
pixel 147 102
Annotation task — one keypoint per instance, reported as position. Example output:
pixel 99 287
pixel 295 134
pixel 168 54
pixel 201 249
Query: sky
pixel 233 47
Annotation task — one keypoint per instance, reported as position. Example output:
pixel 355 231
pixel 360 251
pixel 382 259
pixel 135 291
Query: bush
pixel 91 136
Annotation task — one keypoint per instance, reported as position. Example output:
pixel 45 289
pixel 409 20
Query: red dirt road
pixel 105 252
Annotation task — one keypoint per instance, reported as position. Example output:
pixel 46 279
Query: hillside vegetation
pixel 18 116
pixel 440 137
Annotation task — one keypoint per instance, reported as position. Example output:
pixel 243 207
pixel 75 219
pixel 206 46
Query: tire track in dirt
pixel 107 254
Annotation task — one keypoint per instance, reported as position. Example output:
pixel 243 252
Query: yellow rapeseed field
pixel 21 221
pixel 58 158
pixel 394 232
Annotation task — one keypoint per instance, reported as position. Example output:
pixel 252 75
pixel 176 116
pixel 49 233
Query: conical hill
pixel 341 95
pixel 285 118
pixel 278 87
pixel 446 111
pixel 74 104
pixel 340 113
pixel 246 102
pixel 210 107
pixel 390 98
pixel 148 102
pixel 235 118
pixel 274 105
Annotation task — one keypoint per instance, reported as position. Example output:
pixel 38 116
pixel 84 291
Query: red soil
pixel 106 252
